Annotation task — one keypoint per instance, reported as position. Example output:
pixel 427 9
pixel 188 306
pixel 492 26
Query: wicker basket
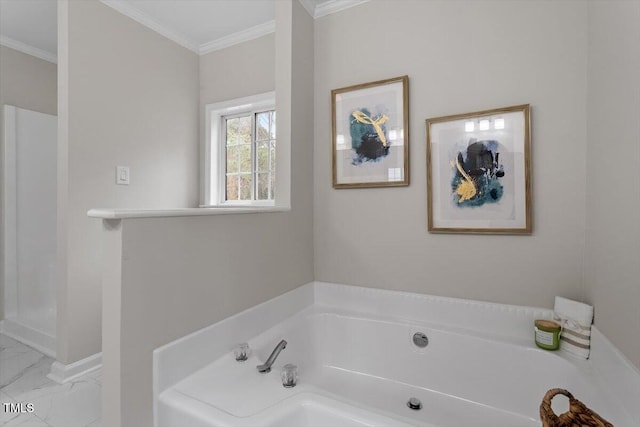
pixel 578 416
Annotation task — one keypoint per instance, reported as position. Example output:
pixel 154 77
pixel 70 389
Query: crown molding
pixel 142 18
pixel 314 9
pixel 333 6
pixel 28 49
pixel 237 38
pixel 309 5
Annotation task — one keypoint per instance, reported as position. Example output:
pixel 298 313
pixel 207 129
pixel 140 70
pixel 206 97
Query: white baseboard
pixel 64 373
pixel 39 340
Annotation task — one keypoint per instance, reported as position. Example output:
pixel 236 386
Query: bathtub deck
pixel 237 394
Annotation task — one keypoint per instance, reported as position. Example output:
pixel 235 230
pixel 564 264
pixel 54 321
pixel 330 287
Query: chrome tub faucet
pixel 266 367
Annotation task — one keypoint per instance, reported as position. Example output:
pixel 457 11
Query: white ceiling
pixel 205 20
pixel 30 26
pixel 199 25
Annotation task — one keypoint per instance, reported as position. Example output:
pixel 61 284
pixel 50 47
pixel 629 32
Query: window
pixel 241 152
pixel 250 153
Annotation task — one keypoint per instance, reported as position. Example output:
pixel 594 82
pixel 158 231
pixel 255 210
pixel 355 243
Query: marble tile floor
pixel 23 379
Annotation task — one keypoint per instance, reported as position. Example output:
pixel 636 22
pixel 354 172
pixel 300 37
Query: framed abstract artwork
pixel 370 134
pixel 478 172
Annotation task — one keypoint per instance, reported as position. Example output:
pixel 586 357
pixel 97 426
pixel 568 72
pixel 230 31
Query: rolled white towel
pixel 575 318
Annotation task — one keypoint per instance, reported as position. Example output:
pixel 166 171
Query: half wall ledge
pixel 164 213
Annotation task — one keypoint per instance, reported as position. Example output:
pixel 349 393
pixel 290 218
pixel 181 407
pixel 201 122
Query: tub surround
pixel 337 384
pixel 614 369
pixel 182 357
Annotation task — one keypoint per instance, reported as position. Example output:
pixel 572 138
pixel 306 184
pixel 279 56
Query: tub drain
pixel 414 403
pixel 420 339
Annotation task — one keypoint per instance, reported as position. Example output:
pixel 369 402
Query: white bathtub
pixel 358 366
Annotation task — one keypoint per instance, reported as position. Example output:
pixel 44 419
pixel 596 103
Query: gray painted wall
pixel 612 268
pixel 28 82
pixel 460 57
pixel 25 82
pixel 131 100
pixel 252 62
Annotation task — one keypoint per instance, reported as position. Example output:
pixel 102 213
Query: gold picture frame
pixel 479 172
pixel 370 134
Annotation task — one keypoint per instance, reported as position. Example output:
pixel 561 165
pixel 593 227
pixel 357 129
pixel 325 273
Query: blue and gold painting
pixel 477 174
pixel 369 139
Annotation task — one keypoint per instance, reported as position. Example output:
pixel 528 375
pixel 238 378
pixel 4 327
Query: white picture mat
pixel 449 138
pixel 387 99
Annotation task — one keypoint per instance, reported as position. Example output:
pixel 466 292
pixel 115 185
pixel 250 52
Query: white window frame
pixel 215 148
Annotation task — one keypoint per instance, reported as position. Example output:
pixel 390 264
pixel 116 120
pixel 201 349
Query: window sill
pixel 260 204
pixel 164 213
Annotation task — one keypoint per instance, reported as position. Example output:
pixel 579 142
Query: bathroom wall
pixel 25 82
pixel 128 97
pixel 460 57
pixel 241 70
pixel 613 185
pixel 28 82
pixel 166 277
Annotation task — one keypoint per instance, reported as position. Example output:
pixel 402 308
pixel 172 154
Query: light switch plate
pixel 122 175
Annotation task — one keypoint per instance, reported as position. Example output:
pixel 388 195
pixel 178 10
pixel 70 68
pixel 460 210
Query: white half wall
pixel 460 56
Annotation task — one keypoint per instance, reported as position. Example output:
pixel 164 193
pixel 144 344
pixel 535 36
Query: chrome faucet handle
pixel 289 375
pixel 241 352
